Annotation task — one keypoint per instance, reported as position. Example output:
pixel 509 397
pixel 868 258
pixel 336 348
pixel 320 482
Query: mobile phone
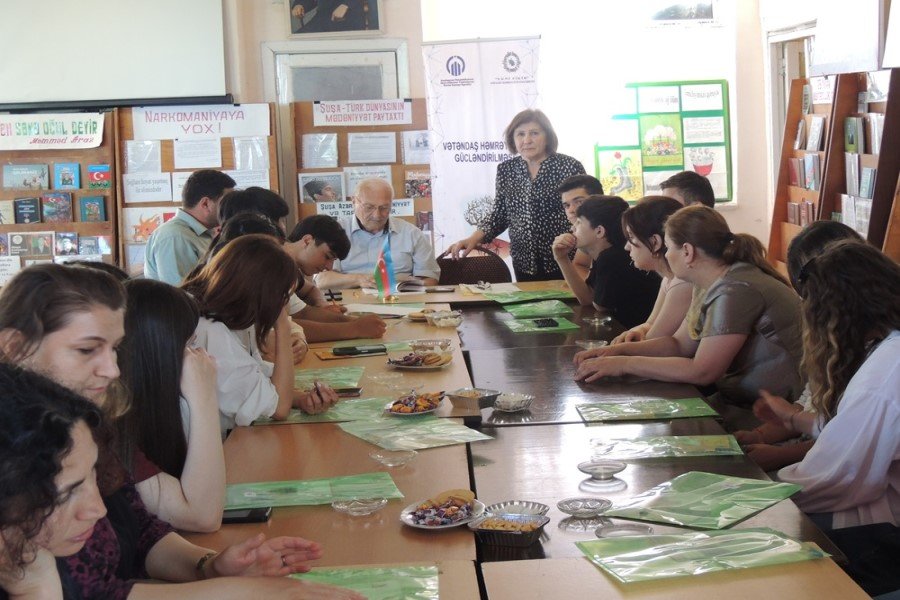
pixel 439 289
pixel 545 323
pixel 355 350
pixel 348 392
pixel 246 515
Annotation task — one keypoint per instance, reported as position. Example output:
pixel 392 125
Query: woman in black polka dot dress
pixel 527 201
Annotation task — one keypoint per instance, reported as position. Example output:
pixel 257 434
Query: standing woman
pixel 747 335
pixel 527 200
pixel 644 227
pixel 241 312
pixel 170 438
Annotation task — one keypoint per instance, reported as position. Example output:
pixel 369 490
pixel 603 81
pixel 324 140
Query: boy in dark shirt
pixel 613 285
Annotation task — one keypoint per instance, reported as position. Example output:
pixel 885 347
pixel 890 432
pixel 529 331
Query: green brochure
pixel 336 377
pixel 412 432
pixel 646 557
pixel 513 297
pixel 546 308
pixel 644 410
pixel 531 326
pixel 391 583
pixel 354 409
pixel 666 446
pixel 704 500
pixel 310 491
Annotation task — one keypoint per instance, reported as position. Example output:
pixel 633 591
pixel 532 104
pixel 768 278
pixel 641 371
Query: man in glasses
pixel 411 251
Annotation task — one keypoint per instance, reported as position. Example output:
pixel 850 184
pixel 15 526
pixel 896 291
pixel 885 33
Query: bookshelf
pixel 104 154
pixel 303 125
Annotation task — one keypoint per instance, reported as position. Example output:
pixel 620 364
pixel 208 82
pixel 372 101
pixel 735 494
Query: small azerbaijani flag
pixel 384 270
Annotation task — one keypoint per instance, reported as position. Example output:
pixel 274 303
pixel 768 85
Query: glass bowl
pixel 583 508
pixel 394 458
pixel 513 402
pixel 444 318
pixel 602 469
pixel 518 507
pixel 359 507
pixel 622 530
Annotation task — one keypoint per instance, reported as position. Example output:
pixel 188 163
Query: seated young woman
pixel 771 445
pixel 170 437
pixel 748 322
pixel 67 322
pixel 643 225
pixel 239 310
pixel 851 344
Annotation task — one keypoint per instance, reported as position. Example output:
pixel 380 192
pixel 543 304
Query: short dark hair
pixel 648 218
pixel 590 184
pixel 239 225
pixel 37 416
pixel 530 116
pixel 695 188
pixel 811 242
pixel 159 321
pixel 314 187
pixel 253 200
pixel 100 266
pixel 325 230
pixel 205 183
pixel 605 211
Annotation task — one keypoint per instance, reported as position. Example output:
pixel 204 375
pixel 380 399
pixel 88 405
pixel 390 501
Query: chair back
pixel 481 264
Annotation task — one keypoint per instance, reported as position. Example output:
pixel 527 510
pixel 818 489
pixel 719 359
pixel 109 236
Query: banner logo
pixel 456 65
pixel 511 62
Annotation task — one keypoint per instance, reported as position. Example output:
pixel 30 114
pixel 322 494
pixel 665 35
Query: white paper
pixel 416 148
pixel 863 208
pixel 179 178
pixel 335 209
pixel 203 121
pixel 353 113
pixel 143 156
pixel 134 259
pixel 702 97
pixel 848 211
pixel 353 175
pixel 378 147
pixel 321 187
pixel 147 187
pixel 710 162
pixel 320 151
pixel 251 153
pixel 141 222
pixel 619 132
pixel 9 266
pixel 703 130
pixel 198 154
pixel 402 207
pixel 245 179
pixel 381 309
pixel 822 89
pixel 652 99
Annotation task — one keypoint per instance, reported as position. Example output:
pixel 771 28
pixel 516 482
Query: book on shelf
pixel 19 244
pixel 848 211
pixel 816 133
pixel 854 135
pixel 99 177
pixel 66 243
pixel 94 244
pixel 26 177
pixel 862 102
pixel 793 213
pixel 4 244
pixel 867 181
pixel 7 212
pixel 793 172
pixel 806 100
pixel 27 210
pixel 811 171
pixel 42 243
pixel 800 138
pixel 863 211
pixel 874 129
pixel 56 207
pixel 851 173
pixel 807 213
pixel 836 216
pixel 92 208
pixel 66 176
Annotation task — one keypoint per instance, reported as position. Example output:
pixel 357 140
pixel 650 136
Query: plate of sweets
pixel 422 361
pixel 414 404
pixel 447 509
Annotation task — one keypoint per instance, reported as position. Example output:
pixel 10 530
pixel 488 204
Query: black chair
pixel 480 265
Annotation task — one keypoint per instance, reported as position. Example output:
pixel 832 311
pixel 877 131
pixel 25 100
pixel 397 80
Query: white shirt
pixel 853 469
pixel 243 385
pixel 411 251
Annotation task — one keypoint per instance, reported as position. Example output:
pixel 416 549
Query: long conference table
pixel 532 456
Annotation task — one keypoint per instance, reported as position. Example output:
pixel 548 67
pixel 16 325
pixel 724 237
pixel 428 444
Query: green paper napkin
pixel 704 500
pixel 546 308
pixel 336 377
pixel 412 432
pixel 513 297
pixel 529 326
pixel 666 446
pixel 393 583
pixel 310 491
pixel 645 409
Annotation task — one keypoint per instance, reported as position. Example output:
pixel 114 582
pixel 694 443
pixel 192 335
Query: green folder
pixel 391 583
pixel 336 377
pixel 354 409
pixel 529 326
pixel 309 492
pixel 513 297
pixel 666 446
pixel 645 410
pixel 546 308
pixel 412 432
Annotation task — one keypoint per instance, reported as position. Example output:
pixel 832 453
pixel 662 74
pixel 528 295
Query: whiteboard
pixel 101 50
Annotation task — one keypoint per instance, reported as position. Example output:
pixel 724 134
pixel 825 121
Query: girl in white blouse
pixel 243 293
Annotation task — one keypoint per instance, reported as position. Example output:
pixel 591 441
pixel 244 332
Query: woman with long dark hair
pixel 747 334
pixel 170 438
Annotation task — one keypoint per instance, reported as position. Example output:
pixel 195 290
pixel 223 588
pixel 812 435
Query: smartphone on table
pixel 348 392
pixel 246 515
pixel 546 323
pixel 359 350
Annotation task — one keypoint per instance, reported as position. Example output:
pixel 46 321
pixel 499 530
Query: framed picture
pixel 334 18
